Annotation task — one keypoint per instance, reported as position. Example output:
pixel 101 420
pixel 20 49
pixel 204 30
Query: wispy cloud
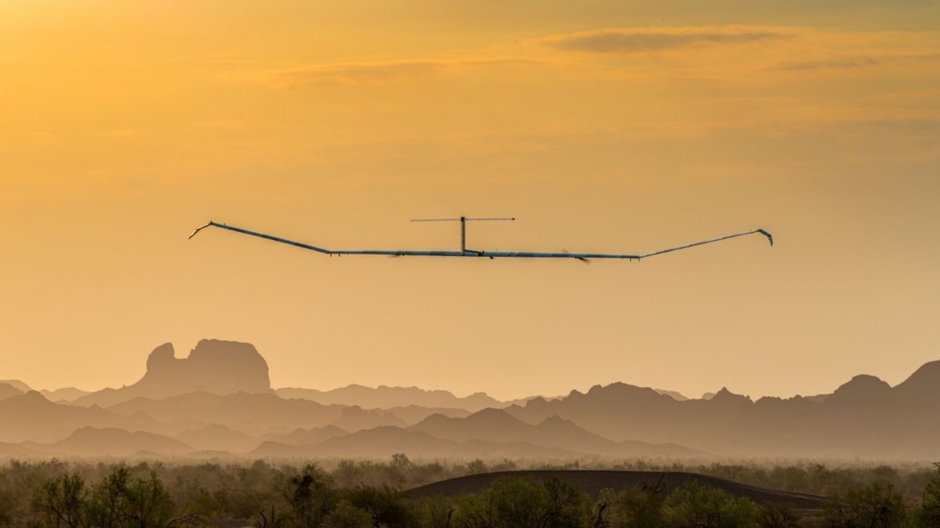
pixel 635 40
pixel 860 62
pixel 377 72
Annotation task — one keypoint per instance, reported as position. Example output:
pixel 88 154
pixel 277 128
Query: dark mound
pixel 592 482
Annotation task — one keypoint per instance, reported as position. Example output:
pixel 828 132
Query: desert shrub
pixel 117 501
pixel 567 506
pixel 436 512
pixel 311 496
pixel 472 511
pixel 517 503
pixel 123 501
pixel 345 515
pixel 876 505
pixel 641 507
pixel 61 502
pixel 927 515
pixel 7 507
pixel 385 506
pixel 348 474
pixel 777 516
pixel 697 506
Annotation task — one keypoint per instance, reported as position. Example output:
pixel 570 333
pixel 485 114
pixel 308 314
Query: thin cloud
pixel 377 72
pixel 860 62
pixel 637 40
pixel 839 64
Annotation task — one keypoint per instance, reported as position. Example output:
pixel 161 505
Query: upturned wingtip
pixel 198 229
pixel 766 234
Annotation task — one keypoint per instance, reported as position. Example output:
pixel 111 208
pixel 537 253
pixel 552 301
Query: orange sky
pixel 602 125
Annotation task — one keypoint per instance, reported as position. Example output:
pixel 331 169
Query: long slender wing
pixel 471 253
pixel 703 242
pixel 261 235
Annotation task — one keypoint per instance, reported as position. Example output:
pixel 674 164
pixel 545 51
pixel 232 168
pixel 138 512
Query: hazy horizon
pixel 183 353
pixel 608 126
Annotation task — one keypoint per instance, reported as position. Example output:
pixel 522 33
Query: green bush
pixel 927 515
pixel 876 505
pixel 697 506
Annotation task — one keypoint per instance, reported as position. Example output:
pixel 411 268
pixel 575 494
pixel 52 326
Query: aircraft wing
pixel 473 253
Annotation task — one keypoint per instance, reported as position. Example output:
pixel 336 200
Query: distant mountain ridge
pixel 219 400
pixel 257 413
pixel 113 442
pixel 30 416
pixel 66 394
pixel 17 384
pixel 496 425
pixel 227 367
pixel 9 391
pixel 384 397
pixel 63 394
pixel 864 417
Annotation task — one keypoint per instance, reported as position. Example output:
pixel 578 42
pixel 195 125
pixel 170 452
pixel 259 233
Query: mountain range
pixel 219 401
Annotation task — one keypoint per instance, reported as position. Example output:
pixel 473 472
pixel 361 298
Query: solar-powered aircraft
pixel 464 252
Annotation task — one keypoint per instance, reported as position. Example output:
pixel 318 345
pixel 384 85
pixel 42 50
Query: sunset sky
pixel 602 125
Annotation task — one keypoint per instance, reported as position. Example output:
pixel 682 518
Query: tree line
pixel 368 494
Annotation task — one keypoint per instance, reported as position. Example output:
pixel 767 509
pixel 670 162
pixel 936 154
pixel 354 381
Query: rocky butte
pixel 214 366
